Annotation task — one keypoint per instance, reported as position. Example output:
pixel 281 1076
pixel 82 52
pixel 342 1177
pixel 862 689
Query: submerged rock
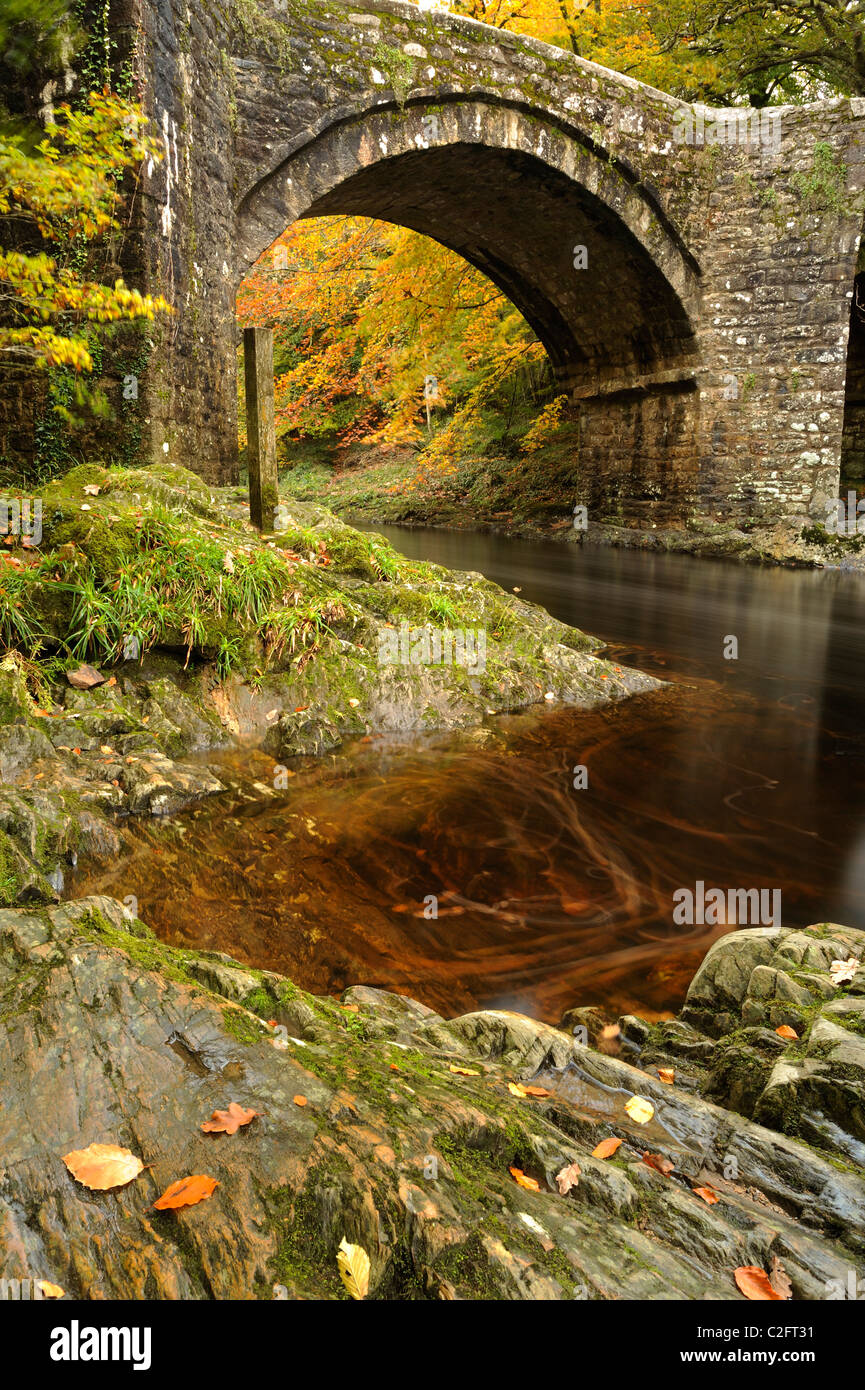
pixel 407 1142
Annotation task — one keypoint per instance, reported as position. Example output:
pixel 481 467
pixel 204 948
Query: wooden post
pixel 260 426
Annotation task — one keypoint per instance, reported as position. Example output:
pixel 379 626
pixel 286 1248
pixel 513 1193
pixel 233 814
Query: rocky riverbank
pixel 533 496
pixel 199 635
pixel 465 1157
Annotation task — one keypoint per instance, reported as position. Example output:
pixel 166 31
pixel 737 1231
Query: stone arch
pixel 514 192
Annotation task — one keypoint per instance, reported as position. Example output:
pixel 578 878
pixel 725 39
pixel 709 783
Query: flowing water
pixel 746 773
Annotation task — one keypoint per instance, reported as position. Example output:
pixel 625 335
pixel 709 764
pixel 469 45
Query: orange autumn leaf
pixel 753 1282
pixel 462 1071
pixel 659 1163
pixel 103 1166
pixel 667 1075
pixel 49 1290
pixel 707 1195
pixel 785 1031
pixel 300 1100
pixel 186 1192
pixel 519 1177
pixel 606 1148
pixel 229 1121
pixel 537 1091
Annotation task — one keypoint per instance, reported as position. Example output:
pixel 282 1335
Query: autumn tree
pixel 56 202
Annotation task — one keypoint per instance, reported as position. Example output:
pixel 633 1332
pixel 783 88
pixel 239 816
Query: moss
pixel 305 1260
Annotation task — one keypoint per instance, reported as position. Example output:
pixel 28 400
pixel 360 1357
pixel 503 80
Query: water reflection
pixel 743 774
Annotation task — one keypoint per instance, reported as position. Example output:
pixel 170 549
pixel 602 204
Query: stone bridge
pixel 690 272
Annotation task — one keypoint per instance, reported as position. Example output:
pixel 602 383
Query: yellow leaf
pixel 462 1071
pixel 517 1090
pixel 640 1110
pixel 353 1262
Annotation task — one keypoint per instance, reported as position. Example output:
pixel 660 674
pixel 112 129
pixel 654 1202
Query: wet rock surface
pixel 774 1028
pixel 404 1145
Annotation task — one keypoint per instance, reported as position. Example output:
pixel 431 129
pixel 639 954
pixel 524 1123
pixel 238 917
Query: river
pixel 742 773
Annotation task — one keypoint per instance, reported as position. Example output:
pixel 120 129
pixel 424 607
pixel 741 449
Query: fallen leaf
pixel 611 1030
pixel 661 1164
pixel 640 1110
pixel 780 1279
pixel 707 1195
pixel 785 1031
pixel 186 1192
pixel 50 1290
pixel 753 1282
pixel 606 1148
pixel 568 1178
pixel 353 1262
pixel 91 489
pixel 667 1075
pixel 228 562
pixel 229 1121
pixel 354 703
pixel 517 1090
pixel 463 1071
pixel 519 1177
pixel 300 1100
pixel 103 1166
pixel 842 971
pixel 537 1091
pixel 85 677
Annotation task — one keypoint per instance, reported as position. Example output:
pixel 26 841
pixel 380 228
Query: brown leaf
pixel 568 1178
pixel 753 1282
pixel 606 1148
pixel 785 1031
pixel 667 1075
pixel 103 1166
pixel 707 1195
pixel 229 1121
pixel 186 1192
pixel 780 1279
pixel 520 1178
pixel 537 1091
pixel 661 1164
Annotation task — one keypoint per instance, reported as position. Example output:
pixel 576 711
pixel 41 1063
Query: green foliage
pixel 823 189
